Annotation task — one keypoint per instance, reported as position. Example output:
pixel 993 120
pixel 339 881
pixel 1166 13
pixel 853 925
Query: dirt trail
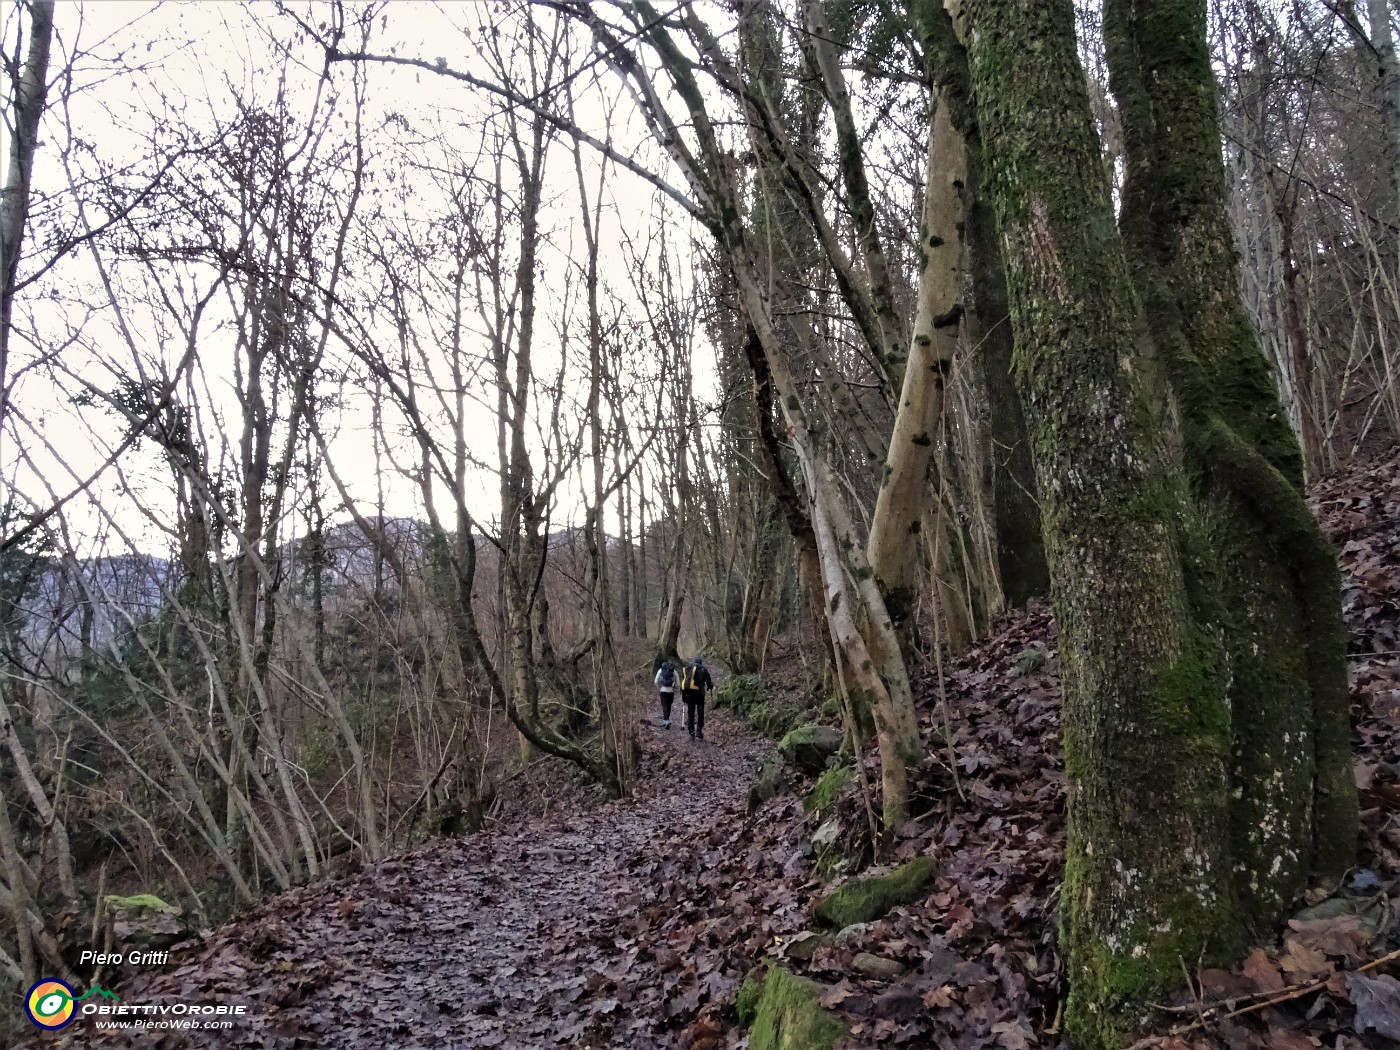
pixel 511 938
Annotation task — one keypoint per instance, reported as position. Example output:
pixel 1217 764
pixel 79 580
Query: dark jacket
pixel 696 679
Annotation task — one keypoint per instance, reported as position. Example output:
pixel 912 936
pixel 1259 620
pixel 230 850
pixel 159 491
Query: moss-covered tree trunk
pixel 1272 576
pixel 1205 702
pixel 1146 729
pixel 1010 474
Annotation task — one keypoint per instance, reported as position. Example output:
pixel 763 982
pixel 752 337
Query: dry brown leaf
pixel 1341 936
pixel 1288 1039
pixel 1301 961
pixel 1263 971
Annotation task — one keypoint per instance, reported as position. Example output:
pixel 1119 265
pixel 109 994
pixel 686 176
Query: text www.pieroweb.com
pixel 163 1017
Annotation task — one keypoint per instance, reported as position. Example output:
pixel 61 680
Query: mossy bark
pixel 788 1015
pixel 1021 562
pixel 1020 549
pixel 1200 633
pixel 1146 727
pixel 1274 587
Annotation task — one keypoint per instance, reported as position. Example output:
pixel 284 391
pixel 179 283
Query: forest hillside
pixel 670 919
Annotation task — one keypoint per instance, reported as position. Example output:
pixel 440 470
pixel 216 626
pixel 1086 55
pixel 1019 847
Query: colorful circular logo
pixel 49 1004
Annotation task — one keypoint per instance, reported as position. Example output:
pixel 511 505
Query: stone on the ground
pixel 849 935
pixel 808 747
pixel 826 835
pixel 768 784
pixel 864 899
pixel 145 920
pixel 804 945
pixel 787 1014
pixel 876 966
pixel 1031 659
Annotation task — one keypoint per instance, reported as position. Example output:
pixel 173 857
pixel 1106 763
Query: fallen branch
pixel 1283 996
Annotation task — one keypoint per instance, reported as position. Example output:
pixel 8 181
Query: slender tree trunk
pixel 863 634
pixel 1300 352
pixel 785 492
pixel 30 91
pixel 20 907
pixel 903 504
pixel 53 824
pixel 1388 79
pixel 639 615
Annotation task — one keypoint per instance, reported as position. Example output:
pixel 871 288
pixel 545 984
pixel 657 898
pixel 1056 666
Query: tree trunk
pixel 1388 80
pixel 1274 600
pixel 1147 879
pixel 31 88
pixel 1300 352
pixel 904 500
pixel 1015 509
pixel 1200 629
pixel 1021 563
pixel 790 504
pixel 48 815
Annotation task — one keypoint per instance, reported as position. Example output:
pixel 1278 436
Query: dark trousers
pixel 694 711
pixel 666 699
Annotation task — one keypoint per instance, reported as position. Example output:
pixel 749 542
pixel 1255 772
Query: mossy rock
pixel 768 784
pixel 808 747
pixel 740 693
pixel 748 697
pixel 787 1014
pixel 772 720
pixel 828 789
pixel 746 1001
pixel 140 905
pixel 1031 659
pixel 860 709
pixel 865 899
pixel 805 945
pixel 144 920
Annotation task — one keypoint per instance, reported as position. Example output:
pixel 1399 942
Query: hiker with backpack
pixel 666 689
pixel 695 685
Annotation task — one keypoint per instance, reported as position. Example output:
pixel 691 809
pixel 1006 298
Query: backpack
pixel 668 674
pixel 688 676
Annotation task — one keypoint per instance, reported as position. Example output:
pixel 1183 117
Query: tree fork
pixel 1146 737
pixel 1291 723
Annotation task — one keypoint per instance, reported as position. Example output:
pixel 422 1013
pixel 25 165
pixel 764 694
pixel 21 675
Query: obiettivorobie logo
pixel 50 1003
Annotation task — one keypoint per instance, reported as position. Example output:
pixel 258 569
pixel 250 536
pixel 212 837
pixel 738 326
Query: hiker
pixel 695 684
pixel 666 689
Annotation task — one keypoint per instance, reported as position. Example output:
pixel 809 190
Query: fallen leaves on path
pixel 536 936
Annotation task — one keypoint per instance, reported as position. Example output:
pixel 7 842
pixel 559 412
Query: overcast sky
pixel 142 76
